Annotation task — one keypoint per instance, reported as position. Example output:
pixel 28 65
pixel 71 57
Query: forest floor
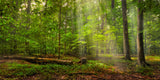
pixel 97 68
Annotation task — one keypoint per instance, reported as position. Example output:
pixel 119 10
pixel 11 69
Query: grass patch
pixel 153 58
pixel 15 69
pixel 149 58
pixel 145 70
pixel 105 55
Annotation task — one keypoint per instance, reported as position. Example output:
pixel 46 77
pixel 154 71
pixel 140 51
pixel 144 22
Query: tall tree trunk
pixel 102 27
pixel 140 48
pixel 28 9
pixel 45 40
pixel 112 5
pixel 74 28
pixel 46 5
pixel 113 24
pixel 15 17
pixel 65 30
pixel 98 28
pixel 125 31
pixel 109 35
pixel 145 43
pixel 59 35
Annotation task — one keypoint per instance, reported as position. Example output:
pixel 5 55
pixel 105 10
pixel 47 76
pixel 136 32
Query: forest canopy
pixel 81 26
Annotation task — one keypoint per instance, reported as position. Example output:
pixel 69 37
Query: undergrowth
pixel 145 70
pixel 19 70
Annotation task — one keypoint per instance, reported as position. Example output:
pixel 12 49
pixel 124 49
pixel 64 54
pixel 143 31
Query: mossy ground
pixel 97 69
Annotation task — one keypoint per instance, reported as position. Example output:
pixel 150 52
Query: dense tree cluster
pixel 80 27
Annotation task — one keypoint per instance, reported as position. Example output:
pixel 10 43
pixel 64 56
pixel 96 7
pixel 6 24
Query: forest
pixel 79 39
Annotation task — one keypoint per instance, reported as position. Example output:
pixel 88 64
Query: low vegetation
pixel 21 69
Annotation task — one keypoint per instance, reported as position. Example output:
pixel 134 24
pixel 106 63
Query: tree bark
pixel 125 31
pixel 140 48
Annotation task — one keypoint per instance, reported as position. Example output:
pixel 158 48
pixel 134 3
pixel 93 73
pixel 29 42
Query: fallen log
pixel 40 60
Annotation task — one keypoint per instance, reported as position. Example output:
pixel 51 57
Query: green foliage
pixel 88 27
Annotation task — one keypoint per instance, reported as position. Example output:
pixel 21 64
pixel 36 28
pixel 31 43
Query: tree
pixel 125 31
pixel 59 35
pixel 140 48
pixel 28 10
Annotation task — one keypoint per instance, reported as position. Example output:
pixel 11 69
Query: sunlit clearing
pixel 95 35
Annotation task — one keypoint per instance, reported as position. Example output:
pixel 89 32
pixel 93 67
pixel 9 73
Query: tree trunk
pixel 28 9
pixel 125 31
pixel 145 43
pixel 102 29
pixel 74 28
pixel 140 48
pixel 112 4
pixel 59 35
pixel 66 19
pixel 113 24
pixel 15 17
pixel 45 42
pixel 65 32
